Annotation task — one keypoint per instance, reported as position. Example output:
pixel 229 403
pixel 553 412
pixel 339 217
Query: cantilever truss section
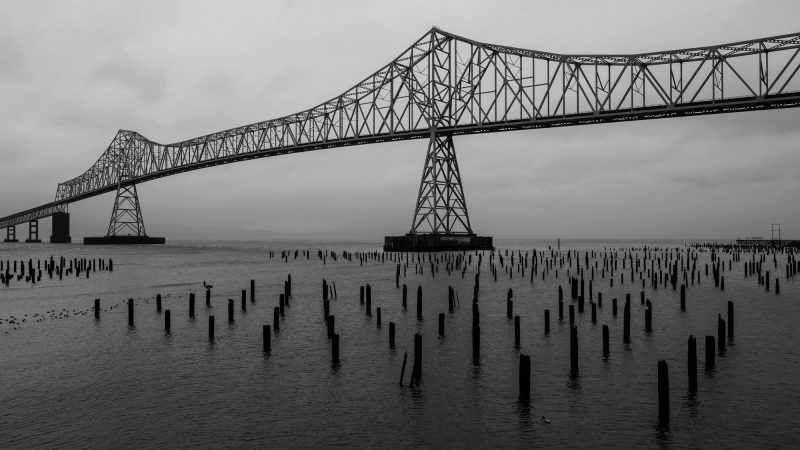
pixel 453 85
pixel 441 206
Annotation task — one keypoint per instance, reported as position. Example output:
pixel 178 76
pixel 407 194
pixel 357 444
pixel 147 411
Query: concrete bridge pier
pixel 60 229
pixel 33 232
pixel 11 234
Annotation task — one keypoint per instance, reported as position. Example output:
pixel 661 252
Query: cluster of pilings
pixel 32 271
pixel 584 273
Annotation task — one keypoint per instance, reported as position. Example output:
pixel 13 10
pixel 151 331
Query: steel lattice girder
pixel 456 85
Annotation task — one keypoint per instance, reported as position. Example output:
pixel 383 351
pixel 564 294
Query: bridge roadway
pixel 445 84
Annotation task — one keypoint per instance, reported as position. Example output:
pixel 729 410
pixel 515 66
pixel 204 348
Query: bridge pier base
pixel 60 233
pixel 11 234
pixel 33 232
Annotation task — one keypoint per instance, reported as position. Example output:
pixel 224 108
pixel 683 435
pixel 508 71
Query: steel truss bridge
pixel 445 85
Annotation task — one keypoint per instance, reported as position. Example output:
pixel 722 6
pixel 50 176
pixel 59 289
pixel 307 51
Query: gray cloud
pixel 72 73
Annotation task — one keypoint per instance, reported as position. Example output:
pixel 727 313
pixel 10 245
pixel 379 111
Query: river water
pixel 68 380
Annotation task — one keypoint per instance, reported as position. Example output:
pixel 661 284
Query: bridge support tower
pixel 126 225
pixel 11 234
pixel 441 221
pixel 33 232
pixel 60 234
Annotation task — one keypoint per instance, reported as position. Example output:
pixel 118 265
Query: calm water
pixel 71 381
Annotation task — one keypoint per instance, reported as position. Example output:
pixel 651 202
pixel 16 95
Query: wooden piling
pixel 405 296
pixel 252 290
pixel 524 378
pixel 266 338
pixel 191 305
pixel 605 340
pixel 211 328
pixel 416 371
pixel 594 312
pixel 167 320
pixel 419 302
pixel 710 352
pixel 663 392
pixel 571 314
pixel 391 334
pixel 369 306
pixel 335 349
pixel 208 297
pixel 516 331
pixel 441 324
pixel 130 312
pixel 97 308
pixel 331 323
pixel 692 363
pixel 378 317
pixel 158 302
pixel 560 310
pixel 476 341
pixel 720 333
pixel 626 333
pixel 282 304
pixel 403 370
pixel 276 319
pixel 230 310
pixel 509 308
pixel 683 297
pixel 546 321
pixel 614 307
pixel 573 348
pixel 648 317
pixel 244 300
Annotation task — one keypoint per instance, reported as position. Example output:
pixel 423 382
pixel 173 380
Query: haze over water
pixel 69 380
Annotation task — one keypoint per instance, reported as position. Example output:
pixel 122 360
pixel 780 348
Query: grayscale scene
pixel 552 224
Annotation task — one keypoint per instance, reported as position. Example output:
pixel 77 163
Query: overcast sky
pixel 74 72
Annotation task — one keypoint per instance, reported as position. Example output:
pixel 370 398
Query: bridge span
pixel 445 85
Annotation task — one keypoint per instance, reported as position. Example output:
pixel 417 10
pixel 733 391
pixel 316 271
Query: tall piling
pixel 663 392
pixel 266 338
pixel 546 321
pixel 605 340
pixel 692 363
pixel 130 312
pixel 524 378
pixel 710 344
pixel 416 371
pixel 573 348
pixel 626 332
pixel 335 349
